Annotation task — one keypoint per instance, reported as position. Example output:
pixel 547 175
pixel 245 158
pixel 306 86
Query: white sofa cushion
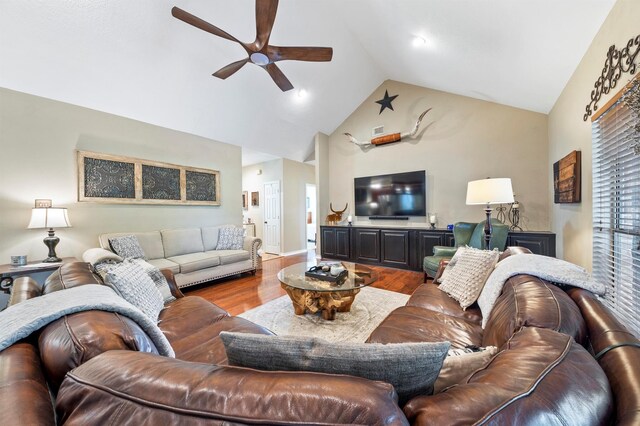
pixel 165 264
pixel 151 242
pixel 230 256
pixel 195 261
pixel 181 241
pixel 210 237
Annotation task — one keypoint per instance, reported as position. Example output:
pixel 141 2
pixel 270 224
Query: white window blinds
pixel 616 208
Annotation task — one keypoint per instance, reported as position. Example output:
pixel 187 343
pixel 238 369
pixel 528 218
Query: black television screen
pixel 398 194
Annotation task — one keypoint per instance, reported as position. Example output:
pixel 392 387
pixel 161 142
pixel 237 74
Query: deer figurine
pixel 337 215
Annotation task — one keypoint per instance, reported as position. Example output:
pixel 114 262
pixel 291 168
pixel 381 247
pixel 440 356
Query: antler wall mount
pixel 260 52
pixel 393 137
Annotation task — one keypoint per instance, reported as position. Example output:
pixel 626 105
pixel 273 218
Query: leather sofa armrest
pixel 173 286
pixel 252 245
pixel 151 389
pixel 444 251
pixel 443 264
pixel 24 288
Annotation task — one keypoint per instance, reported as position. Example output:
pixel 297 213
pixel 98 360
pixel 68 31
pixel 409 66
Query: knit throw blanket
pixel 20 320
pixel 547 268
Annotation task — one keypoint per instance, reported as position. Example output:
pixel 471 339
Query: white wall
pixel 38 140
pixel 567 131
pixel 461 139
pixel 294 205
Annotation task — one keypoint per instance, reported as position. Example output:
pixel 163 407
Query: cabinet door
pixel 395 248
pixel 328 243
pixel 426 242
pixel 342 244
pixel 538 243
pixel 367 245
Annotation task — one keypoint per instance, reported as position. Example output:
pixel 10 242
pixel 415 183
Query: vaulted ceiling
pixel 133 59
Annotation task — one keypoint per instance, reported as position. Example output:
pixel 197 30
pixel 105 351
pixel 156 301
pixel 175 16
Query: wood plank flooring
pixel 239 294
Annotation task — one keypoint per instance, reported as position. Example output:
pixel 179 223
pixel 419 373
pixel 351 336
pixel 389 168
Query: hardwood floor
pixel 237 295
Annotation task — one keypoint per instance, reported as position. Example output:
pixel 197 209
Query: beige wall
pixel 294 207
pixel 38 140
pixel 461 139
pixel 321 145
pixel 567 131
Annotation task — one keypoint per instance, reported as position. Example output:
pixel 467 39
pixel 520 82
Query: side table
pixel 9 272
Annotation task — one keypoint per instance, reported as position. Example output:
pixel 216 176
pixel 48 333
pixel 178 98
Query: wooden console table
pixel 405 248
pixel 9 272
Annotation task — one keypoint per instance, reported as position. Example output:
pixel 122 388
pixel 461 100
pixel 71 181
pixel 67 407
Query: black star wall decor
pixel 386 102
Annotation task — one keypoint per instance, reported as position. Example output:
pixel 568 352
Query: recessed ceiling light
pixel 302 93
pixel 419 41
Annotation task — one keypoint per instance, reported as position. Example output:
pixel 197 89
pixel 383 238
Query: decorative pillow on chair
pixel 465 280
pixel 230 238
pixel 158 279
pixel 127 246
pixel 411 368
pixel 460 364
pixel 133 284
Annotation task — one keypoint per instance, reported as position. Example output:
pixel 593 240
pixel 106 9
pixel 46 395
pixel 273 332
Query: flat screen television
pixel 398 194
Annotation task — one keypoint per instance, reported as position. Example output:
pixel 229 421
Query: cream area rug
pixel 370 307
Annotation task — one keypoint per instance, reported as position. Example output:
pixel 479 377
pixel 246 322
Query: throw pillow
pixel 411 368
pixel 465 280
pixel 450 265
pixel 460 364
pixel 134 285
pixel 158 278
pixel 127 246
pixel 230 238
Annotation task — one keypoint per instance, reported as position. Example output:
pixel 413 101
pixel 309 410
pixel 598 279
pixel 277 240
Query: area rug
pixel 370 307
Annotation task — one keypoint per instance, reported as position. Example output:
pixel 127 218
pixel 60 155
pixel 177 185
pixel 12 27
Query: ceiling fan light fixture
pixel 419 41
pixel 259 59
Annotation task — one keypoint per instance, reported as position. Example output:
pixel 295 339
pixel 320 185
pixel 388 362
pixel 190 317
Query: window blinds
pixel 616 209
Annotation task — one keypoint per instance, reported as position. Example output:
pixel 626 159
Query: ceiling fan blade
pixel 283 82
pixel 230 69
pixel 202 24
pixel 311 54
pixel 265 17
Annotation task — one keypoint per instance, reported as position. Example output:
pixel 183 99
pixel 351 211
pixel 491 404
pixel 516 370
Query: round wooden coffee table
pixel 313 294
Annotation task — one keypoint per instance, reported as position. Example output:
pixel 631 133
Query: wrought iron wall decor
pixel 617 62
pixel 115 179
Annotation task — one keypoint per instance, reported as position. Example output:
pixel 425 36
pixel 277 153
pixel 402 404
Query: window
pixel 616 205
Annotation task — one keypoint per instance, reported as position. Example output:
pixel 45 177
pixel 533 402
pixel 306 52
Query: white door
pixel 272 217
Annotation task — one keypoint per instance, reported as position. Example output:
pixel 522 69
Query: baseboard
pixel 291 253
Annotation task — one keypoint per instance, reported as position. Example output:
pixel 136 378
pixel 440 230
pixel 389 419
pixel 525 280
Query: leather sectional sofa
pixel 545 371
pixel 191 253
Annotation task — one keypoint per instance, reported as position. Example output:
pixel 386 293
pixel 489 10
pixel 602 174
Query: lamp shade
pixel 52 217
pixel 490 191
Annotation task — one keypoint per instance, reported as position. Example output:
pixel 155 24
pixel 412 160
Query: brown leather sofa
pixel 563 358
pixel 544 373
pixel 101 368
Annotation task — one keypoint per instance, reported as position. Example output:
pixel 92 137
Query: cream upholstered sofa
pixel 191 253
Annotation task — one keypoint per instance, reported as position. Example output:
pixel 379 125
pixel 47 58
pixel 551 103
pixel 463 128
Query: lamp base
pixel 487 228
pixel 51 241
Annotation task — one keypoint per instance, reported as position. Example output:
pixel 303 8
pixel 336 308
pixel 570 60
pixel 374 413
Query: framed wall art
pixel 255 198
pixel 566 179
pixel 245 200
pixel 108 178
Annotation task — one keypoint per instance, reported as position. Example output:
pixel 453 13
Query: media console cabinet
pixel 405 248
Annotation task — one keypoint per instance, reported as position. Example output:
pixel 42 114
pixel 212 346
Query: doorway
pixel 311 216
pixel 272 217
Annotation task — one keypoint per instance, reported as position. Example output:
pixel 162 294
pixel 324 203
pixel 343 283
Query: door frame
pixel 280 230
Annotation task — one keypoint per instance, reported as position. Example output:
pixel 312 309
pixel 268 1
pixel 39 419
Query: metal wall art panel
pixel 115 179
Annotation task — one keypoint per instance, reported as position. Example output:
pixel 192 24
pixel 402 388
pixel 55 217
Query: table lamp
pixel 50 217
pixel 489 191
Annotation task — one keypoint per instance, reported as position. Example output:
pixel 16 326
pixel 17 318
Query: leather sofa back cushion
pixel 541 377
pixel 181 241
pixel 70 275
pixel 210 237
pixel 528 301
pixel 134 388
pixel 74 339
pixel 151 242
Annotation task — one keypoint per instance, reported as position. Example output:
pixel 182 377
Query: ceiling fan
pixel 260 52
